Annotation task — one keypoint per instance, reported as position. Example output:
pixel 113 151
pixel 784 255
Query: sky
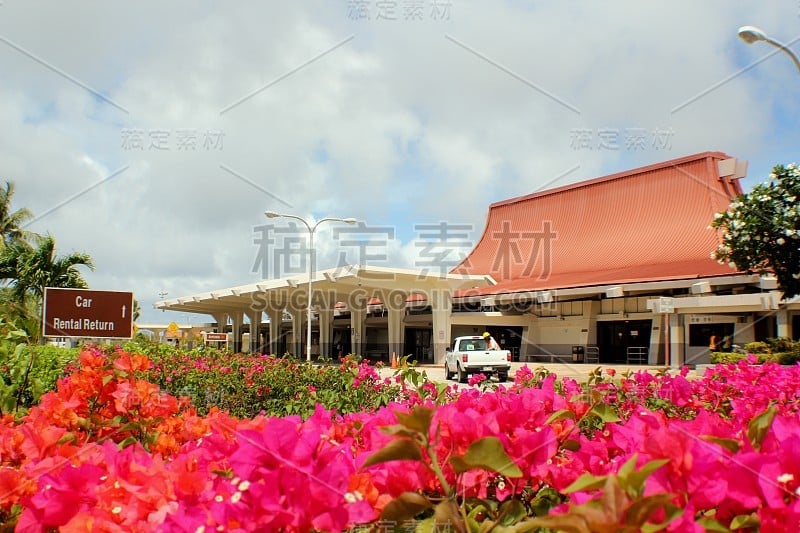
pixel 154 135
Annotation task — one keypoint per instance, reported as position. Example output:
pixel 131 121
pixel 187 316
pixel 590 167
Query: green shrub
pixel 791 356
pixel 726 357
pixel 757 347
pixel 788 358
pixel 766 358
pixel 781 344
pixel 29 371
pixel 735 357
pixel 247 385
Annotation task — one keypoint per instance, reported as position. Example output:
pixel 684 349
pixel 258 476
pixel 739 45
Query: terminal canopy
pixel 352 285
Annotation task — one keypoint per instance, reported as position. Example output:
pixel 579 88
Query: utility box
pixel 577 354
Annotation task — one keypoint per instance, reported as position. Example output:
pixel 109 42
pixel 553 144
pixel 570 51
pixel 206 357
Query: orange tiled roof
pixel 646 224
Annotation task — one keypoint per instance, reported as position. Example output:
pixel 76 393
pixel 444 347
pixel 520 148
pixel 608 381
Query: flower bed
pixel 246 385
pixel 109 451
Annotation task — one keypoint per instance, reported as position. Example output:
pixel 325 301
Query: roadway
pixel 577 371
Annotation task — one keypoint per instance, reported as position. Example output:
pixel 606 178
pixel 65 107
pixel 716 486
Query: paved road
pixel 579 372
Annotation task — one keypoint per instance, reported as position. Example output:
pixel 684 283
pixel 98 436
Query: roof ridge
pixel 611 177
pixel 628 267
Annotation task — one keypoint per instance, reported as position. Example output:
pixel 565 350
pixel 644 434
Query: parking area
pixel 577 371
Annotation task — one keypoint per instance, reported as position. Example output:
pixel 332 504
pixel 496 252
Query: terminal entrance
pixel 616 337
pixel 419 345
pixel 342 343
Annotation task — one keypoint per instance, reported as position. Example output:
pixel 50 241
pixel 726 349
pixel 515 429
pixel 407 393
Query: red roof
pixel 646 224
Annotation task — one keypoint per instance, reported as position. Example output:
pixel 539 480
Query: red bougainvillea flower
pixel 108 451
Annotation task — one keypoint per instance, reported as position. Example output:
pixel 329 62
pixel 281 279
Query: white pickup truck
pixel 469 355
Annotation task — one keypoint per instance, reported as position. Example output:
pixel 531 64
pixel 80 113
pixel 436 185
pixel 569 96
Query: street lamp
pixel 751 34
pixel 311 252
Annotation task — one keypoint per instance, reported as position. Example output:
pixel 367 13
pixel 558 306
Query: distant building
pixel 614 269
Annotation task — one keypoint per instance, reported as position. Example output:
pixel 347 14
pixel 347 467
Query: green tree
pixel 761 230
pixel 23 317
pixel 33 269
pixel 12 222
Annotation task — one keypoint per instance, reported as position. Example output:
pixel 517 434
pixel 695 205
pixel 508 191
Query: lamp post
pixel 751 34
pixel 311 252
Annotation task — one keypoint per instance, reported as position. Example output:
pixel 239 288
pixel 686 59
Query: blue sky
pixel 119 120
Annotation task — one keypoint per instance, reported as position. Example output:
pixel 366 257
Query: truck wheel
pixel 447 374
pixel 462 375
pixel 502 377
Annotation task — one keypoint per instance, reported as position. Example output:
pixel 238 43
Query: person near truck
pixel 491 344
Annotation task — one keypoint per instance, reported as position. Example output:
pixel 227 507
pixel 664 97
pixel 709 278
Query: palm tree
pixel 12 223
pixel 33 269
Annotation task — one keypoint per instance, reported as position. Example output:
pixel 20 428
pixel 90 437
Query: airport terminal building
pixel 613 269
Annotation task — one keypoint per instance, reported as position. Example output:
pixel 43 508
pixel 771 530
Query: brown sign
pixel 88 313
pixel 216 337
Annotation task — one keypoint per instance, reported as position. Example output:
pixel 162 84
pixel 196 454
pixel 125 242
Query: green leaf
pixel 488 453
pixel 627 468
pixel 478 508
pixel 586 482
pixel 19 349
pixel 672 512
pixel 606 413
pixel 130 426
pixel 396 450
pixel 635 480
pixel 428 525
pixel 745 520
pixel 561 414
pixel 445 514
pixel 759 426
pixel 571 445
pixel 568 523
pixel 107 378
pixel 405 507
pixel 398 430
pixel 709 524
pixel 732 445
pixel 17 334
pixel 512 511
pixel 127 442
pixel 419 419
pixel 612 501
pixel 639 511
pixel 545 499
pixel 459 465
pixel 68 437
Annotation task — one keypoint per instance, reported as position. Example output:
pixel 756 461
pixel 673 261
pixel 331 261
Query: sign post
pixel 217 337
pixel 87 313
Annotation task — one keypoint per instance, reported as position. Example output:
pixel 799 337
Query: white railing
pixel 592 354
pixel 637 355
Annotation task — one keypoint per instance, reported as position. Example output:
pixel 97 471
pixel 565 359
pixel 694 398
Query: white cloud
pixel 398 126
